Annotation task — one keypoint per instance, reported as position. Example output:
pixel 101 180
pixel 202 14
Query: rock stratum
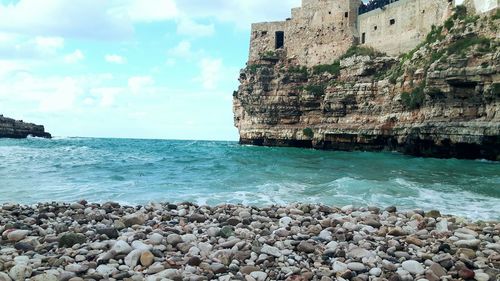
pixel 10 128
pixel 442 99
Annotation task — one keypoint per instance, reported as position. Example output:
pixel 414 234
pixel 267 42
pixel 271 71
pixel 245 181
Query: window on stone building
pixel 346 14
pixel 363 38
pixel 392 21
pixel 280 39
pixel 375 27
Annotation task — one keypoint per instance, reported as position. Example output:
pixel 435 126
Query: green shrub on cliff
pixel 253 68
pixel 436 34
pixel 315 89
pixel 496 16
pixel 461 45
pixel 460 12
pixel 333 68
pixel 496 89
pixel 415 99
pixel 361 51
pixel 308 132
pixel 299 70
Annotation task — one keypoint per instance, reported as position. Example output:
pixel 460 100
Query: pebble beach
pixel 86 241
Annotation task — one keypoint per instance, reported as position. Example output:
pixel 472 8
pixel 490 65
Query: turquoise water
pixel 140 171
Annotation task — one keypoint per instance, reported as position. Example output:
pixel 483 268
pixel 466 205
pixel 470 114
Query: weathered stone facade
pixel 317 33
pixel 442 99
pixel 320 31
pixel 10 128
pixel 402 25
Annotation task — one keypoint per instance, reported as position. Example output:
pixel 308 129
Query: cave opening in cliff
pixel 280 39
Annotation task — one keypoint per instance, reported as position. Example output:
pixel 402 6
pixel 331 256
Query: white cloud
pixel 63 98
pixel 140 84
pixel 211 73
pixel 182 50
pixel 54 94
pixel 114 19
pixel 115 59
pixel 150 10
pixel 74 57
pixel 62 18
pixel 107 95
pixel 191 28
pixel 49 43
pixel 48 46
pixel 240 13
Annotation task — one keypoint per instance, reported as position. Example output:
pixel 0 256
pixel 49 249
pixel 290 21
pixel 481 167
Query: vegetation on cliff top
pixel 333 68
pixel 361 51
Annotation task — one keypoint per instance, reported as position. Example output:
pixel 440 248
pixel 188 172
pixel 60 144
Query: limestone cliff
pixel 442 99
pixel 10 128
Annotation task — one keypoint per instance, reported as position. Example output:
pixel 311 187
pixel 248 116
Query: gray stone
pixel 133 219
pixel 259 275
pixel 273 251
pixel 356 266
pixel 413 267
pixel 17 235
pixel 359 253
pixel 20 272
pixel 174 239
pixel 122 247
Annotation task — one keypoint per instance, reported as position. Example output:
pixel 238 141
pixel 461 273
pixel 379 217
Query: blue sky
pixel 127 68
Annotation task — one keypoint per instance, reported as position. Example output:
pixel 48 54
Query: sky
pixel 128 68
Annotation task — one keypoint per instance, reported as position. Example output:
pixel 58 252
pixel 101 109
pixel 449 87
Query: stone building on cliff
pixel 320 31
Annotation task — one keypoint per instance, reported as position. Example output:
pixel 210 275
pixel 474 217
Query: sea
pixel 135 172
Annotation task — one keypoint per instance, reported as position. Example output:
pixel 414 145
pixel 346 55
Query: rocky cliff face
pixel 441 99
pixel 10 128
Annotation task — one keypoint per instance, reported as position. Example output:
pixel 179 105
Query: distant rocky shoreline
pixel 84 241
pixel 17 129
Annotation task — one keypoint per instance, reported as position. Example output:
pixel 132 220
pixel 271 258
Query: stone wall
pixel 317 33
pixel 402 25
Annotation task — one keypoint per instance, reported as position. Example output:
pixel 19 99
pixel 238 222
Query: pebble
pixel 133 219
pixel 156 238
pixel 122 247
pixel 273 251
pixel 356 266
pixel 17 235
pixel 147 259
pixel 472 243
pixel 174 239
pixel 43 277
pixel 259 275
pixel 305 247
pixel 358 253
pixel 20 272
pixel 413 267
pixel 232 242
pixel 375 271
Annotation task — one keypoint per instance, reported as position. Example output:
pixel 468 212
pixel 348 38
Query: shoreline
pixel 87 241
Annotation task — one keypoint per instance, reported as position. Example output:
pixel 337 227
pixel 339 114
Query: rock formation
pixel 441 99
pixel 10 128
